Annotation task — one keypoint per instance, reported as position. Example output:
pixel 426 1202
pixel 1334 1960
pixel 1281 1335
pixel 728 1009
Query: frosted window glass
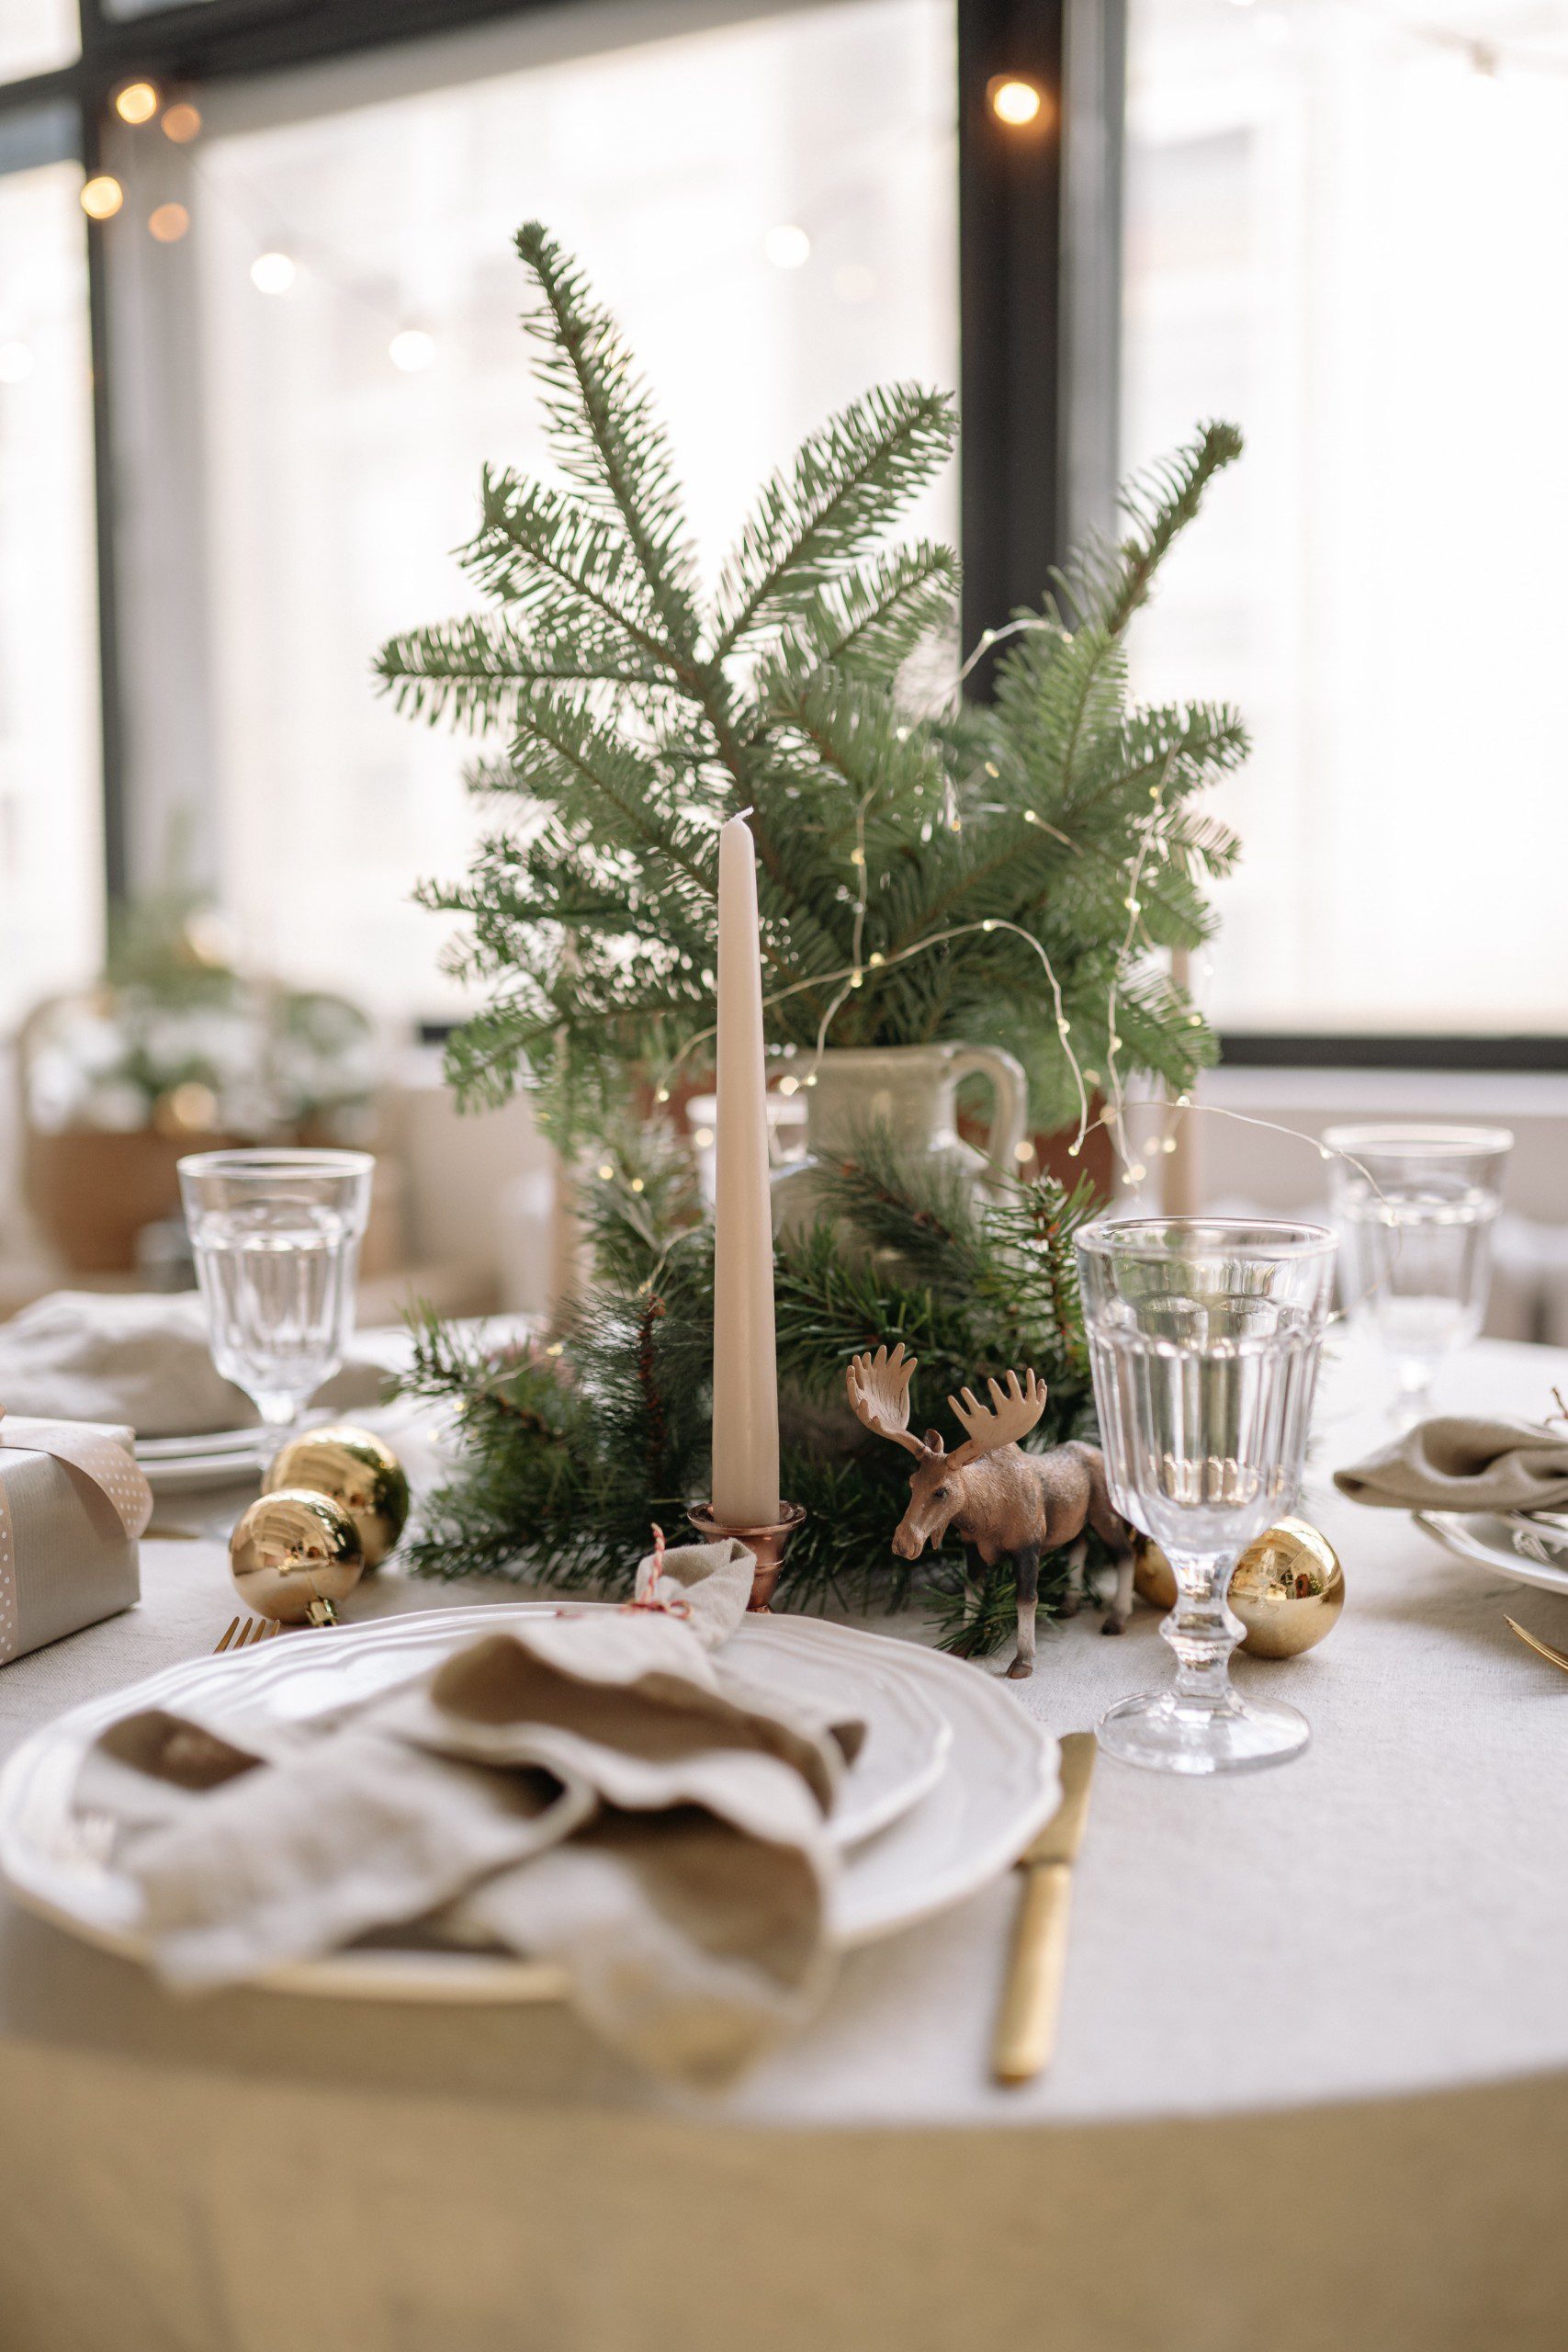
pixel 770 208
pixel 37 36
pixel 1352 238
pixel 50 853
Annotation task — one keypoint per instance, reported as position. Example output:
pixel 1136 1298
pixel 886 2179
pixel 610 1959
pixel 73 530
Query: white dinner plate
pixel 181 1466
pixel 993 1783
pixel 1486 1540
pixel 200 1445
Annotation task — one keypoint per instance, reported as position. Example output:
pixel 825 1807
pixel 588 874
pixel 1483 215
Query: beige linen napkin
pixel 589 1788
pixel 141 1358
pixel 1456 1465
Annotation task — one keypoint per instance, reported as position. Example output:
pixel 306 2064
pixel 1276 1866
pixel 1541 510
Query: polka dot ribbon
pixel 83 1448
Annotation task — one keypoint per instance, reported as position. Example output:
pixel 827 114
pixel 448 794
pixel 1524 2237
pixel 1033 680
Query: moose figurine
pixel 994 1497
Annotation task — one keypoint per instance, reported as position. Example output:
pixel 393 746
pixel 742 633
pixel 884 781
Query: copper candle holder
pixel 768 1544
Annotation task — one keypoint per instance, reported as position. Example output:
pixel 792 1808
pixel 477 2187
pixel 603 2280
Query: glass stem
pixel 1202 1629
pixel 1414 1401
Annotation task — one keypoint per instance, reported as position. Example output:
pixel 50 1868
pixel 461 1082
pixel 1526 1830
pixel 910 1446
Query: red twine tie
pixel 648 1576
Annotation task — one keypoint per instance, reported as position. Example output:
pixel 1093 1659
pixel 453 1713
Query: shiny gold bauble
pixel 357 1470
pixel 294 1556
pixel 1151 1576
pixel 1288 1588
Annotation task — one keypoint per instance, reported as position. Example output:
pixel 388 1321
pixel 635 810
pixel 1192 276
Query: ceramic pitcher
pixel 910 1092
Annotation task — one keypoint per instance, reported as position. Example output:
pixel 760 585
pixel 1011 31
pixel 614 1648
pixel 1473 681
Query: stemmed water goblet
pixel 275 1235
pixel 1204 1336
pixel 1416 1207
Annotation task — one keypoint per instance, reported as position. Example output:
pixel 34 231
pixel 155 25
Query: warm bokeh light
pixel 138 102
pixel 181 122
pixel 411 350
pixel 15 362
pixel 188 1109
pixel 1014 101
pixel 786 246
pixel 272 273
pixel 102 196
pixel 168 222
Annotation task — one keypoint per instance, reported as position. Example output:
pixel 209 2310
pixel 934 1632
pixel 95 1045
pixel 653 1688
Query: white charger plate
pixel 200 1445
pixel 1484 1539
pixel 178 1466
pixel 994 1783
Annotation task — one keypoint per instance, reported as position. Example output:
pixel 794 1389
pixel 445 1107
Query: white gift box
pixel 73 1505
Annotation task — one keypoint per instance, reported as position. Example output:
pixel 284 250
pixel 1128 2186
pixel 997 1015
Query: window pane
pixel 1351 238
pixel 36 35
pixel 770 209
pixel 50 857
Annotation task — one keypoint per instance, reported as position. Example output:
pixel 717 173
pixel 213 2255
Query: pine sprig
pixel 939 859
pixel 602 420
pixel 571 1447
pixel 846 487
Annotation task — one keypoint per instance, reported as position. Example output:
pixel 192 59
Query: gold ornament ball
pixel 1288 1588
pixel 354 1467
pixel 294 1555
pixel 1152 1578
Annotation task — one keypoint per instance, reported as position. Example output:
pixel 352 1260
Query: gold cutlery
pixel 1533 1641
pixel 244 1632
pixel 1032 1997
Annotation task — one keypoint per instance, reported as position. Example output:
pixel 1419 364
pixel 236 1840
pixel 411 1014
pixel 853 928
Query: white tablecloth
pixel 1312 2085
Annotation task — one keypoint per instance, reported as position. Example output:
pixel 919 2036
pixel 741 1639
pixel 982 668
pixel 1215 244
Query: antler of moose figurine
pixel 995 1498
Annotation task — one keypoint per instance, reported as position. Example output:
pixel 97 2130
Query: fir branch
pixel 847 484
pixel 471 671
pixel 952 859
pixel 601 417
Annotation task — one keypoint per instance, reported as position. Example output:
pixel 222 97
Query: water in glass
pixel 1205 1338
pixel 1416 1207
pixel 275 1237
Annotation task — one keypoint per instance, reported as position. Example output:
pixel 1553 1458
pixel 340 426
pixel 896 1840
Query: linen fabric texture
pixel 141 1358
pixel 592 1789
pixel 1453 1463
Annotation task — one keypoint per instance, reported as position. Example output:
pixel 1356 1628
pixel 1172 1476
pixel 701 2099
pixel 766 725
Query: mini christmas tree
pixel 1000 872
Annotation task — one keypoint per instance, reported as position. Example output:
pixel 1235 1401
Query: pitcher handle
pixel 1010 1091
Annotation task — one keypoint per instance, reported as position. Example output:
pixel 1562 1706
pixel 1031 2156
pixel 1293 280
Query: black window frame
pixel 1039 372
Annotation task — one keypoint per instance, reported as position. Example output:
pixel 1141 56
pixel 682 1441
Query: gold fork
pixel 247 1632
pixel 1542 1650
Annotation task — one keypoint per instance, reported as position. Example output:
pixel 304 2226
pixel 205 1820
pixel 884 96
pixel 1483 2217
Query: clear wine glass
pixel 275 1235
pixel 1203 1338
pixel 1416 1207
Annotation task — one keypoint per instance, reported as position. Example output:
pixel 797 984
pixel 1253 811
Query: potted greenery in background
pixel 174 1050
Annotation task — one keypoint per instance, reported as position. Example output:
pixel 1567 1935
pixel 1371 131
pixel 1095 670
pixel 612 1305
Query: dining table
pixel 1310 2086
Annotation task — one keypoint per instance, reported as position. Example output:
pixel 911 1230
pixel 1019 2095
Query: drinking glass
pixel 275 1235
pixel 1203 1338
pixel 1416 1207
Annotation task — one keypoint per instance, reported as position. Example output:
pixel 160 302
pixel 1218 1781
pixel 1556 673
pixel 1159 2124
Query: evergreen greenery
pixel 572 1449
pixel 934 854
pixel 1000 872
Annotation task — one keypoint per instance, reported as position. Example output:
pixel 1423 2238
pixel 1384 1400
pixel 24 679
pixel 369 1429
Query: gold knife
pixel 1032 1997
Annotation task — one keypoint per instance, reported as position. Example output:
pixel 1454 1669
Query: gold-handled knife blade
pixel 1031 1996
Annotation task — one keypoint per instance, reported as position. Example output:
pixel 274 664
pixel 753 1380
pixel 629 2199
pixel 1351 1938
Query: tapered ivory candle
pixel 745 1374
